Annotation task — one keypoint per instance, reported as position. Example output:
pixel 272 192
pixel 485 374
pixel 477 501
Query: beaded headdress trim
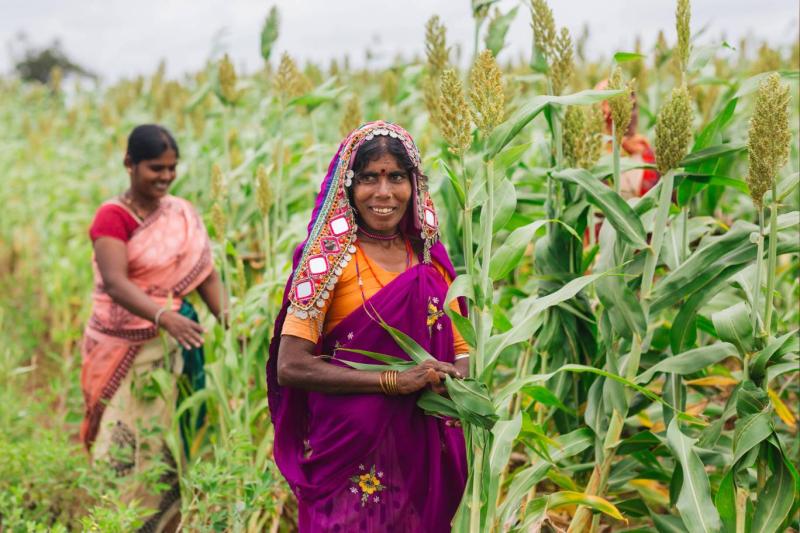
pixel 331 240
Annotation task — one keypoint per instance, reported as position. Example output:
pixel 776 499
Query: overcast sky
pixel 118 38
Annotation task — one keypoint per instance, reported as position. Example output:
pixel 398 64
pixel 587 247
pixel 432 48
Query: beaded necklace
pixel 379 236
pixel 409 255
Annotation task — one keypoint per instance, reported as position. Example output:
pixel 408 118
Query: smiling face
pixel 151 178
pixel 381 192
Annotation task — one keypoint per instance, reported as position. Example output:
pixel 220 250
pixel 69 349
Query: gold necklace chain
pixel 127 200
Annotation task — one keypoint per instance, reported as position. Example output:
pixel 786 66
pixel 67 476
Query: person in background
pixel 634 183
pixel 357 451
pixel 151 250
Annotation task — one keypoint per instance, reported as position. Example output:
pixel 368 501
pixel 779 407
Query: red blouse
pixel 112 220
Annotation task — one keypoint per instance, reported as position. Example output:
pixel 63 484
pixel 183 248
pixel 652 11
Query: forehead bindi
pixel 383 165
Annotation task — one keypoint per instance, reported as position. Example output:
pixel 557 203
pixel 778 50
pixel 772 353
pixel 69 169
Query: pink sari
pixel 169 255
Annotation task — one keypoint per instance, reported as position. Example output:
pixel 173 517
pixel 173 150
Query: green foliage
pixel 617 370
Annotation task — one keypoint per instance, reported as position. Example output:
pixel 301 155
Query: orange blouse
pixel 347 297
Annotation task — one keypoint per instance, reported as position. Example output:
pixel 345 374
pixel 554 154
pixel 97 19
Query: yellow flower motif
pixel 369 483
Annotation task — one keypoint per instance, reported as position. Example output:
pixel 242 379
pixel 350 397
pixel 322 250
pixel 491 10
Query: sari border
pixel 191 276
pixel 94 413
pixel 134 335
pixel 385 287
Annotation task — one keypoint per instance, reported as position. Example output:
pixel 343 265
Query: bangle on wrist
pixel 388 382
pixel 158 316
pixel 462 356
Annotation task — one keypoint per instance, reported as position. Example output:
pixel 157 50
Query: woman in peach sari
pixel 150 251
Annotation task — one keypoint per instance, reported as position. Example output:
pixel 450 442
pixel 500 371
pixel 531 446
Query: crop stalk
pixel 662 214
pixel 772 259
pixel 477 484
pixel 599 478
pixel 615 158
pixel 759 268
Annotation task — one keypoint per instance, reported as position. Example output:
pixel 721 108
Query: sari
pixel 169 255
pixel 367 462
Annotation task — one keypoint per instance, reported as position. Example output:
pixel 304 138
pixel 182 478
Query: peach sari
pixel 169 255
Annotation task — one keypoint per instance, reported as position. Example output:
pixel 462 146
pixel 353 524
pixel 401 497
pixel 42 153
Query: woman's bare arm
pixel 213 294
pixel 298 367
pixel 112 261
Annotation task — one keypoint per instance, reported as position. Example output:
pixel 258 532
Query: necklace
pixel 409 255
pixel 379 236
pixel 128 200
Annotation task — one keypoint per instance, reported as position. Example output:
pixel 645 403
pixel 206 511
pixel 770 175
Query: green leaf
pixel 369 367
pixel 725 502
pixel 614 207
pixel 712 179
pixel 454 181
pixel 498 28
pixel 733 325
pixel 505 203
pixel 545 396
pixel 772 350
pixel 471 398
pixel 318 96
pixel 666 523
pixel 716 257
pixel 776 500
pixel 690 361
pixel 510 156
pixel 525 329
pixel 750 432
pixel 518 383
pixel 508 255
pixel 624 57
pixel 711 152
pixel 461 287
pixel 527 477
pixel 437 405
pixel 596 503
pixel 751 399
pixel 504 433
pixel 384 358
pixel 694 502
pixel 622 304
pixel 511 128
pixel 405 342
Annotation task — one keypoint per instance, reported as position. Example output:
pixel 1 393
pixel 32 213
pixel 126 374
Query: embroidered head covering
pixel 332 230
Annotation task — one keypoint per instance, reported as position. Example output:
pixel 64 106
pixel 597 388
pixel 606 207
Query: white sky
pixel 119 38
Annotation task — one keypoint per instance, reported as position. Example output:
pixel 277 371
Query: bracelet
pixel 462 356
pixel 158 316
pixel 388 382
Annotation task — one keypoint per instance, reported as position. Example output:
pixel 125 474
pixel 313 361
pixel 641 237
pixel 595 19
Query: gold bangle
pixel 395 389
pixel 383 385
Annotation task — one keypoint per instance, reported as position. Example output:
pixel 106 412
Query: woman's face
pixel 381 192
pixel 151 178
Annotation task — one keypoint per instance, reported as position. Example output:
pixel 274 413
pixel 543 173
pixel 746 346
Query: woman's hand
pixel 429 373
pixel 187 332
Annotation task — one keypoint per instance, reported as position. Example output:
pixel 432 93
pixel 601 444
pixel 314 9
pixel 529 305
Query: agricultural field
pixel 636 355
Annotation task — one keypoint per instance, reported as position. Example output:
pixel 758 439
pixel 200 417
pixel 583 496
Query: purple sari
pixel 370 462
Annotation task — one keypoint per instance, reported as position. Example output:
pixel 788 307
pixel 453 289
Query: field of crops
pixel 643 377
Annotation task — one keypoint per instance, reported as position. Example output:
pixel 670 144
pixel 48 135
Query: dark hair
pixel 382 145
pixel 148 141
pixel 373 149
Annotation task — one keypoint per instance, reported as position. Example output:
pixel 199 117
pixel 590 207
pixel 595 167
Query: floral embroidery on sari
pixel 434 314
pixel 367 484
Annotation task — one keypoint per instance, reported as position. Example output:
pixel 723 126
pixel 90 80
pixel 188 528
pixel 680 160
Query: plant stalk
pixel 659 226
pixel 615 159
pixel 599 478
pixel 772 260
pixel 759 268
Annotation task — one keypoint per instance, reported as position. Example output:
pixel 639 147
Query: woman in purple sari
pixel 353 445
